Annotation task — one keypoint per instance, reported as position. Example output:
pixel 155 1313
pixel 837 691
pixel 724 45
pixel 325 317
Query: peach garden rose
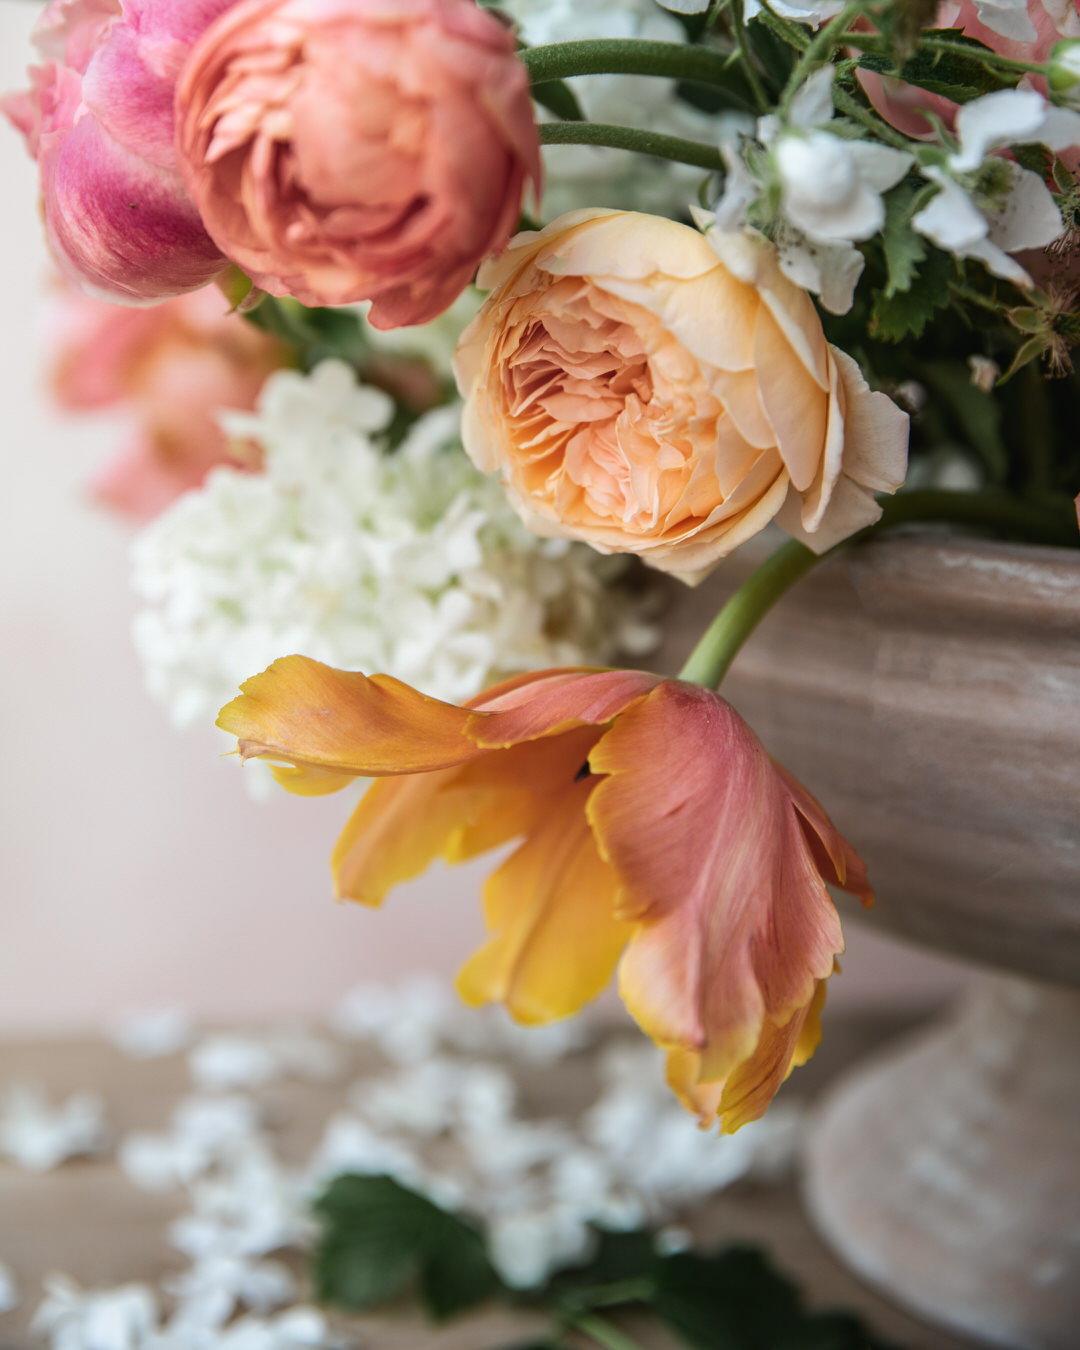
pixel 641 392
pixel 346 150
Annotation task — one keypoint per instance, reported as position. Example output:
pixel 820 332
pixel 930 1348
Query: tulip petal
pixel 551 905
pixel 736 927
pixel 555 702
pixel 747 1093
pixel 403 824
pixel 313 716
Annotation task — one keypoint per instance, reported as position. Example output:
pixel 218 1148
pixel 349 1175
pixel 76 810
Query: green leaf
pixel 906 314
pixel 378 1238
pixel 953 75
pixel 735 1299
pixel 731 1300
pixel 558 98
pixel 904 248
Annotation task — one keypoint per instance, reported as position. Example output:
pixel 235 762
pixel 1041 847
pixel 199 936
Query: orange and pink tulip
pixel 657 837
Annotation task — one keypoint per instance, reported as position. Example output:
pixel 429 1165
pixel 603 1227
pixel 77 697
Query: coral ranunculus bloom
pixel 655 832
pixel 350 150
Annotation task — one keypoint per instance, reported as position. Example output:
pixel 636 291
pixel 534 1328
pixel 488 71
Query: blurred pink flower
pixel 98 118
pixel 344 150
pixel 173 367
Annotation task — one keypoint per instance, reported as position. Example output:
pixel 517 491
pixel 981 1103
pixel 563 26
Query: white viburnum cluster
pixel 603 177
pixel 409 562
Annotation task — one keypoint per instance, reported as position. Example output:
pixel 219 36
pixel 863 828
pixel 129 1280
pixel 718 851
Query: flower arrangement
pixel 814 238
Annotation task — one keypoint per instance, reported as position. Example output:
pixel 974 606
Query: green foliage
pixel 905 313
pixel 735 1299
pixel 379 1238
pixel 955 75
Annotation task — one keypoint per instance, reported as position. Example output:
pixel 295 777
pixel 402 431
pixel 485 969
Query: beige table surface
pixel 87 1220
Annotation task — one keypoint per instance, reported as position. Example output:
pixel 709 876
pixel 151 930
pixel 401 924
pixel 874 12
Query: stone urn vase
pixel 927 691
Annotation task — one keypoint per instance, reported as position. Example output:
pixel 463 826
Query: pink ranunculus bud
pixel 98 118
pixel 345 150
pixel 170 369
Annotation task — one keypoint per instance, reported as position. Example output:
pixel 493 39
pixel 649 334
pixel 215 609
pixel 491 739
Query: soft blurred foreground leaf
pixel 378 1238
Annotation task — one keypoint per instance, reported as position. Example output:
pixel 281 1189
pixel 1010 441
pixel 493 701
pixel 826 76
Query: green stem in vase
pixel 630 138
pixel 626 56
pixel 991 511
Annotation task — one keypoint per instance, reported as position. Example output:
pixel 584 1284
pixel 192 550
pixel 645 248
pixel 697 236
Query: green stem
pixel 819 51
pixel 603 1333
pixel 625 56
pixel 739 32
pixel 721 641
pixel 630 138
pixel 852 108
pixel 789 32
pixel 993 511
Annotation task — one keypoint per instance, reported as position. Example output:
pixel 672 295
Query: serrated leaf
pixel 954 75
pixel 905 314
pixel 904 248
pixel 378 1237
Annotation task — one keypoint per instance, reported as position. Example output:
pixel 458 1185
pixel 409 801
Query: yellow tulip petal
pixel 313 716
pixel 402 825
pixel 746 1094
pixel 551 906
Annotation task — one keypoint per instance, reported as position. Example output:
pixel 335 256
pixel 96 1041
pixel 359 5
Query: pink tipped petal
pixel 555 703
pixel 736 926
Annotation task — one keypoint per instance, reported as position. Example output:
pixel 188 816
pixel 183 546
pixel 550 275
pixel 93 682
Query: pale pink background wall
pixel 134 869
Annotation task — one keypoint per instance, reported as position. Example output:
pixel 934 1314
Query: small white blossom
pixel 9 1292
pixel 989 208
pixel 797 11
pixel 204 1131
pixel 230 1060
pixel 411 563
pixel 1022 215
pixel 38 1136
pixel 1008 18
pixel 113 1319
pixel 829 190
pixel 151 1032
pixel 1010 117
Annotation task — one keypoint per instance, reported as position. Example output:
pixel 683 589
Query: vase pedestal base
pixel 947 1172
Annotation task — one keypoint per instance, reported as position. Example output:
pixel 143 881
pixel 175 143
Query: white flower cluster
pixel 603 177
pixel 411 563
pixel 817 193
pixel 38 1136
pixel 445 1118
